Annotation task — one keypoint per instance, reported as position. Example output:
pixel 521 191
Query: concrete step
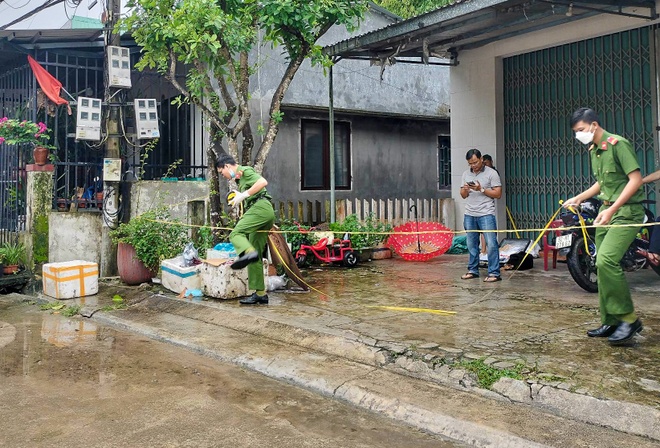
pixel 312 360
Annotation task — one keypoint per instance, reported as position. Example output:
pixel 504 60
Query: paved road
pixel 68 382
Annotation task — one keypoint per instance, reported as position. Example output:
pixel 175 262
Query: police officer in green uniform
pixel 250 235
pixel 619 184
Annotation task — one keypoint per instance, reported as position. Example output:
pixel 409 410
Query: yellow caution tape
pixel 414 310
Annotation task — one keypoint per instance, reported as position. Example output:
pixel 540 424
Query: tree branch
pixel 171 77
pixel 242 94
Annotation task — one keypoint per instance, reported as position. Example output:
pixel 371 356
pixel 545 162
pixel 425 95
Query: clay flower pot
pixel 40 155
pixel 61 205
pixel 131 270
pixel 11 269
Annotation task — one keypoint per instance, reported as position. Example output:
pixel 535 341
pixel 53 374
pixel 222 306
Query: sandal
pixel 469 276
pixel 492 279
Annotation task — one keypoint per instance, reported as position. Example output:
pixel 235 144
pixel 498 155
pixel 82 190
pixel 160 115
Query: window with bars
pixel 315 155
pixel 444 162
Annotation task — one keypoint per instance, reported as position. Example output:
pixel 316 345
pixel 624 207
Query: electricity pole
pixel 112 150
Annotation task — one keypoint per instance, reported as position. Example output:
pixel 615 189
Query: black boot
pixel 245 259
pixel 625 332
pixel 254 299
pixel 602 332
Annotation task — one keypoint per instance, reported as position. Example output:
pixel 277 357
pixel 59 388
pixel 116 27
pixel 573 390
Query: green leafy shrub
pixel 154 235
pixel 295 237
pixel 369 233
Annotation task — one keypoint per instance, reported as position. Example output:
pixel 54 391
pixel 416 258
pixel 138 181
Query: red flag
pixel 49 84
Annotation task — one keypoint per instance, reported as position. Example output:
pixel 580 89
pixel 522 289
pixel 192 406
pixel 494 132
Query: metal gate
pixel 614 75
pixel 15 100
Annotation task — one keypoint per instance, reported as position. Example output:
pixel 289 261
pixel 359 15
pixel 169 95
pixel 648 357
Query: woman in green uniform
pixel 250 235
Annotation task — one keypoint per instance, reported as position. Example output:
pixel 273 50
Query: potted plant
pixel 376 234
pixel 364 236
pixel 16 132
pixel 144 242
pixel 2 265
pixel 13 256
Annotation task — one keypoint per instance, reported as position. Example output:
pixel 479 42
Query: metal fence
pixel 393 211
pixel 78 174
pixel 12 192
pixel 16 101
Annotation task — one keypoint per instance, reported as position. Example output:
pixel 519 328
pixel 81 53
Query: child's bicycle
pixel 336 250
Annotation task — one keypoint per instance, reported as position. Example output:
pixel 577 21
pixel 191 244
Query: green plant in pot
pixel 367 234
pixel 13 256
pixel 152 237
pixel 364 236
pixel 18 132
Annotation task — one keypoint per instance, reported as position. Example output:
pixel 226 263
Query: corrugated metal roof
pixel 31 37
pixel 466 24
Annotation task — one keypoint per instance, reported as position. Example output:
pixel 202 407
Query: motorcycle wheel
pixel 580 266
pixel 300 260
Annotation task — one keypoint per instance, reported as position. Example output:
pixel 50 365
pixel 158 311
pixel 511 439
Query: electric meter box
pixel 119 67
pixel 88 125
pixel 146 118
pixel 111 170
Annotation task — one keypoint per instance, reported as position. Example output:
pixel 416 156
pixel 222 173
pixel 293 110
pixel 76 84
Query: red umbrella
pixel 420 241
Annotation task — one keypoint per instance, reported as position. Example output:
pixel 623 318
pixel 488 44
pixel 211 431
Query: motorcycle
pixel 581 256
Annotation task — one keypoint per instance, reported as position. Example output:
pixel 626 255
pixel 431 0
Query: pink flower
pixel 2 140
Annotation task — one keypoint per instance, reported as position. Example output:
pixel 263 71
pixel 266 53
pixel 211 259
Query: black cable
pixel 112 219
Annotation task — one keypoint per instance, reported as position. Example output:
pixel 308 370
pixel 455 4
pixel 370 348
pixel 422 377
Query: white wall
pixel 476 92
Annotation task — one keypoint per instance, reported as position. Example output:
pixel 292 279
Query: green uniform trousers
pixel 611 245
pixel 246 235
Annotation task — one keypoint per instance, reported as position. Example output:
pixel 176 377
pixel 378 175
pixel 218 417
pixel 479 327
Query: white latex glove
pixel 239 197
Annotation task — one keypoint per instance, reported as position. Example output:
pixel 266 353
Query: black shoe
pixel 254 299
pixel 602 332
pixel 625 332
pixel 245 259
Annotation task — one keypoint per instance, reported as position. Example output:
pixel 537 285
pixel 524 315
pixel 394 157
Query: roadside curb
pixel 361 396
pixel 621 416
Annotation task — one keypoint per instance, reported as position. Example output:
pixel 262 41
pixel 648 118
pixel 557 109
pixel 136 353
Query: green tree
pixel 411 8
pixel 213 40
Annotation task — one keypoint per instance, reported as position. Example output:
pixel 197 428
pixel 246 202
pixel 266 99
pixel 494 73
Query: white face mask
pixel 585 137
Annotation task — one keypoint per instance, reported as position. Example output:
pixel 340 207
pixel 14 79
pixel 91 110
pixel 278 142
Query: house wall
pixel 406 89
pixel 477 93
pixel 74 236
pixel 390 158
pixel 149 195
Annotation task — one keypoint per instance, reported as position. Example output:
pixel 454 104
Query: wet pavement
pixel 536 317
pixel 70 382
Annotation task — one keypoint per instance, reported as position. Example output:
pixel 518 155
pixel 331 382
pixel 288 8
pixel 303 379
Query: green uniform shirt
pixel 612 159
pixel 249 178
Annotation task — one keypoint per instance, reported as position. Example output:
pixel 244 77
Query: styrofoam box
pixel 70 279
pixel 177 278
pixel 222 282
pixel 212 254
